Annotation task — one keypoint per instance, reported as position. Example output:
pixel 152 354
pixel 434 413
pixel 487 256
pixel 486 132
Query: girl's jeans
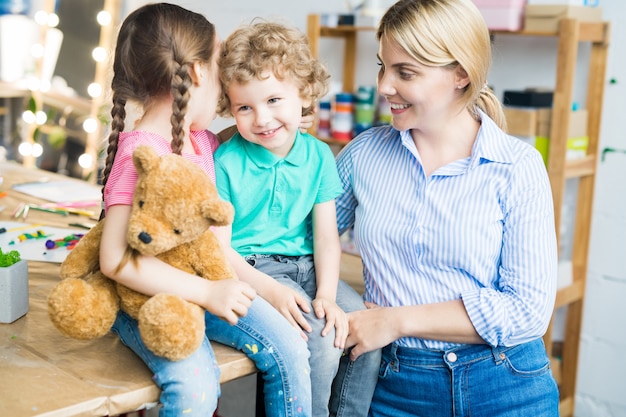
pixel 190 387
pixel 473 380
pixel 339 387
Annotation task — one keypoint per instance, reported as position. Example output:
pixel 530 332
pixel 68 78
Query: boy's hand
pixel 290 304
pixel 335 316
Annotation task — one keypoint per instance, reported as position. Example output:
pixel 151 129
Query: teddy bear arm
pixel 85 257
pixel 209 260
pixel 131 301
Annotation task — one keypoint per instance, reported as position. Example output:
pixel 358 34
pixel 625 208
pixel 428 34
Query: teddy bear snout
pixel 145 237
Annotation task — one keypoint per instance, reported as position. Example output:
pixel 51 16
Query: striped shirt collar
pixel 489 146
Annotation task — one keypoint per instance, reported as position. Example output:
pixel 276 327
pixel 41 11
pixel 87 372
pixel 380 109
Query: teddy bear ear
pixel 218 213
pixel 145 158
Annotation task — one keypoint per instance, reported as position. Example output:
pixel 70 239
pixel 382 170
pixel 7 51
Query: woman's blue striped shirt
pixel 479 229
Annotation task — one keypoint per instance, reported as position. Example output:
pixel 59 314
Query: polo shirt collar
pixel 266 159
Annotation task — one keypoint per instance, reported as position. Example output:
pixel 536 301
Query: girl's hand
pixel 229 299
pixel 335 316
pixel 290 304
pixel 371 329
pixel 307 121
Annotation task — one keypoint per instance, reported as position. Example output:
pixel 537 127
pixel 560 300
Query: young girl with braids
pixel 165 60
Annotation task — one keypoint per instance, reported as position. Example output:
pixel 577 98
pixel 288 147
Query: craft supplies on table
pixel 39 242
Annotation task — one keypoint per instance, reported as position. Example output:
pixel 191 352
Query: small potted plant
pixel 13 286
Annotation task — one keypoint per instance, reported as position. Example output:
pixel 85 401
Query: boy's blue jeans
pixel 190 387
pixel 339 387
pixel 474 380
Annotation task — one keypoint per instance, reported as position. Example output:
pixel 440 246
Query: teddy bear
pixel 174 206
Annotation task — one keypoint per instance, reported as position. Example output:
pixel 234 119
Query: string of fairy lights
pixel 47 18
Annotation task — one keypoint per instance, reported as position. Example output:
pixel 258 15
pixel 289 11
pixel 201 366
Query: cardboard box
pixel 578 123
pixel 546 17
pixel 526 121
pixel 544 117
pixel 521 121
pixel 502 14
pixel 520 124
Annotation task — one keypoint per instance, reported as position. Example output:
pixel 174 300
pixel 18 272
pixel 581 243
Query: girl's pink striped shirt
pixel 123 177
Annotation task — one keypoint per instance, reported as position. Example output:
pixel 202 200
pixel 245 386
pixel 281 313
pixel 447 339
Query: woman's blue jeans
pixel 474 380
pixel 339 387
pixel 190 387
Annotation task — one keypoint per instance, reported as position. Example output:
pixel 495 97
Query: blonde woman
pixel 454 221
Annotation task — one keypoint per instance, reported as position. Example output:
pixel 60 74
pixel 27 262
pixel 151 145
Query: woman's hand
pixel 371 329
pixel 229 299
pixel 335 316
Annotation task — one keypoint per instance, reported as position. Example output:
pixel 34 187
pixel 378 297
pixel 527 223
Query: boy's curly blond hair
pixel 263 46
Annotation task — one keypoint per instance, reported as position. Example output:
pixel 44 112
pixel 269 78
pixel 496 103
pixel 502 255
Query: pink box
pixel 502 14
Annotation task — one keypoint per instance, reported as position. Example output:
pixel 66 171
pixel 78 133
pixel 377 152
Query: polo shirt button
pixel 451 357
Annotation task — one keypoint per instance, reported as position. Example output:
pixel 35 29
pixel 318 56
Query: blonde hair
pixel 157 46
pixel 252 50
pixel 447 33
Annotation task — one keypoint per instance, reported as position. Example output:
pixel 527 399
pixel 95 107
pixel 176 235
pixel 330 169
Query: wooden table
pixel 43 373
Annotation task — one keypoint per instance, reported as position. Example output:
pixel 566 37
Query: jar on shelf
pixel 364 109
pixel 342 122
pixel 323 119
pixel 384 111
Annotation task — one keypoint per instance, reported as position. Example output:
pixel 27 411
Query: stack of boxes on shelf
pixel 528 116
pixel 536 15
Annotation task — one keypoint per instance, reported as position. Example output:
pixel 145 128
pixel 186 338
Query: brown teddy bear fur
pixel 174 205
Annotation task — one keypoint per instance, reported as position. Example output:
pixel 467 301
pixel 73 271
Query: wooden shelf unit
pixel 315 31
pixel 347 33
pixel 570 35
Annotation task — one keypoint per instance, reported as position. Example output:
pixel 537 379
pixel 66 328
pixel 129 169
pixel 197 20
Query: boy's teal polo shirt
pixel 274 197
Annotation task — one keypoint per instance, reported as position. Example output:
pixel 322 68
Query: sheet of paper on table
pixel 61 191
